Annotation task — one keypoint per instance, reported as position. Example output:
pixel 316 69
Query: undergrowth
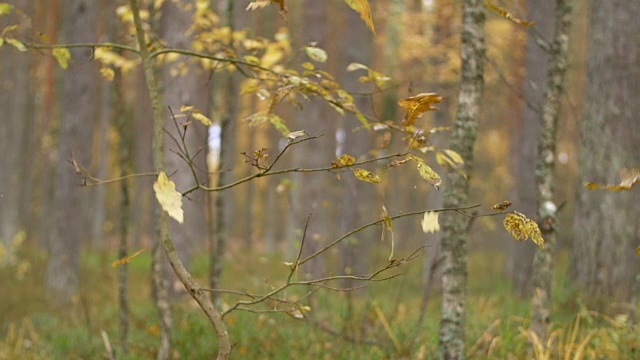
pixel 377 322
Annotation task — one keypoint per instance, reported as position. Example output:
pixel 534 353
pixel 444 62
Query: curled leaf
pixel 522 228
pixel 296 134
pixel 316 53
pixel 366 176
pixel 629 178
pixel 427 173
pixel 507 15
pixel 501 206
pixel 363 8
pixel 415 106
pixel 106 72
pixel 344 160
pixel 170 200
pixel 126 259
pixel 16 44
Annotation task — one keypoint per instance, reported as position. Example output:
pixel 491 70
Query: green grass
pixel 496 321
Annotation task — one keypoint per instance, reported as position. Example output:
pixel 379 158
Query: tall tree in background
pixel 545 171
pixel 358 198
pixel 74 143
pixel 185 84
pixel 524 142
pixel 606 227
pixel 316 153
pixel 15 138
pixel 454 276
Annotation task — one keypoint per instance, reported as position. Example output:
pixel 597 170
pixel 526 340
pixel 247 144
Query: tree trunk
pixel 524 143
pixel 606 227
pixel 185 89
pixel 69 227
pixel 163 233
pixel 359 203
pixel 454 276
pixel 545 176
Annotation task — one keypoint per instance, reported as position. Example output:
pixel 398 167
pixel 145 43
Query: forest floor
pixel 377 322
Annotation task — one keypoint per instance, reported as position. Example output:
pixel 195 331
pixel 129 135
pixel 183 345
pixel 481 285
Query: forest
pixel 319 179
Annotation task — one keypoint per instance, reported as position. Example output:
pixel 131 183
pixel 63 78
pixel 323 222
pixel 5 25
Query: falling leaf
pixel 106 72
pixel 367 176
pixel 170 200
pixel 427 173
pixel 502 206
pixel 296 134
pixel 507 15
pixel 363 8
pixel 638 250
pixel 629 178
pixel 186 108
pixel 63 56
pixel 258 4
pixel 126 259
pixel 522 228
pixel 415 106
pixel 316 53
pixel 430 222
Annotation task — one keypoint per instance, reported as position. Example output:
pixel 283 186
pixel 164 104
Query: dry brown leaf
pixel 415 106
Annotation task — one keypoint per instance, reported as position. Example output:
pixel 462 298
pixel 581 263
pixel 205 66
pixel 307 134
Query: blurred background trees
pixel 55 121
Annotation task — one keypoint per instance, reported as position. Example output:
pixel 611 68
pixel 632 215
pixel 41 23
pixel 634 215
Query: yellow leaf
pixel 363 8
pixel 126 259
pixel 5 9
pixel 501 206
pixel 629 178
pixel 16 44
pixel 367 176
pixel 346 160
pixel 430 222
pixel 415 106
pixel 168 197
pixel 638 250
pixel 186 108
pixel 427 173
pixel 1 41
pixel 296 134
pixel 106 72
pixel 522 228
pixel 196 114
pixel 455 157
pixel 387 219
pixel 507 15
pixel 316 53
pixel 63 56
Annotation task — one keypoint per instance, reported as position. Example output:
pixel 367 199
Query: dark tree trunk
pixel 606 227
pixel 69 227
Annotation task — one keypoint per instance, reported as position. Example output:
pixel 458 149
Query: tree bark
pixel 454 276
pixel 74 143
pixel 525 139
pixel 164 236
pixel 545 176
pixel 606 227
